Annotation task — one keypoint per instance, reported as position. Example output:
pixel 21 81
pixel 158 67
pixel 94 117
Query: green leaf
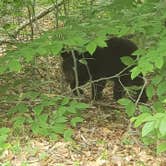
pixel 83 61
pixel 91 47
pixel 135 72
pixel 148 127
pixel 42 120
pixel 4 131
pixel 100 41
pixel 144 109
pixel 72 110
pixel 159 62
pixel 149 68
pixel 20 107
pixel 42 49
pixel 130 109
pixel 161 89
pixel 76 120
pixel 157 79
pixel 81 106
pixel 14 65
pixel 150 91
pixel 141 119
pixel 27 53
pixel 124 101
pixel 58 128
pixel 38 110
pixel 65 101
pixel 161 147
pixel 61 119
pixel 56 47
pixel 128 61
pixel 148 140
pixel 3 69
pixel 162 127
pixel 61 111
pixel 129 106
pixel 68 135
pixel 158 106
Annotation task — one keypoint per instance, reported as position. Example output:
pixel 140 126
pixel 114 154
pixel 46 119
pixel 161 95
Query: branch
pixel 26 23
pixel 39 16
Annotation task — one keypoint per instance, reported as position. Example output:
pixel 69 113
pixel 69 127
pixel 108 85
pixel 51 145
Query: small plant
pixel 153 130
pixel 50 117
pixel 4 133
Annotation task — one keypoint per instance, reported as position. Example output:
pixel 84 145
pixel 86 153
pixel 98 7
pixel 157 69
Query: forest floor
pixel 105 138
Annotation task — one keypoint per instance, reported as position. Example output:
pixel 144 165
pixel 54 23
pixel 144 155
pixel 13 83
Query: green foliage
pixel 153 128
pixel 4 133
pixel 50 117
pixel 128 61
pixel 87 24
pixel 130 107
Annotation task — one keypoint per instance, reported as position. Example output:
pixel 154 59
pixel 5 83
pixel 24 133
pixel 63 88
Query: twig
pixel 142 89
pixel 30 21
pixel 75 72
pixel 40 15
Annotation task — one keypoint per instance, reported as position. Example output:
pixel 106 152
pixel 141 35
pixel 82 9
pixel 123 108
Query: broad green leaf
pixel 135 72
pixel 42 50
pixel 42 119
pixel 27 53
pixel 159 115
pixel 61 111
pixel 161 147
pixel 72 109
pixel 91 47
pixel 141 119
pixel 150 91
pixel 61 119
pixel 159 62
pixel 158 106
pixel 130 109
pixel 162 127
pixel 81 106
pixel 100 41
pixel 157 79
pixel 144 109
pixel 56 47
pixel 124 101
pixel 76 120
pixel 128 61
pixel 148 127
pixel 68 135
pixel 161 89
pixel 58 128
pixel 146 68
